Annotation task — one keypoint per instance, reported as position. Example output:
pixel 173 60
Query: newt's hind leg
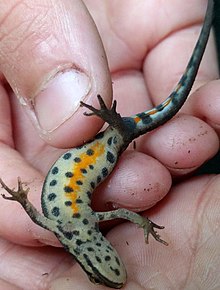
pixel 110 116
pixel 143 222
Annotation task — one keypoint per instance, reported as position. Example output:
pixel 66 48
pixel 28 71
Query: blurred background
pixel 213 165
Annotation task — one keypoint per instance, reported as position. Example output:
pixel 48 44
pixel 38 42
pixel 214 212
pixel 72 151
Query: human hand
pixel 184 143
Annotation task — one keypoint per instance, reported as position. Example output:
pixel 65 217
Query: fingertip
pixel 183 144
pixel 205 104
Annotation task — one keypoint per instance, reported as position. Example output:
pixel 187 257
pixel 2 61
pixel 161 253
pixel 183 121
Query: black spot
pixel 141 115
pixel 89 263
pixel 53 182
pixel 69 174
pixel 90 249
pixel 104 172
pixel 96 227
pixel 67 248
pixel 117 272
pixel 80 147
pixel 99 179
pixel 68 235
pixel 90 152
pixel 110 248
pixel 89 232
pixel 98 259
pixel 146 119
pixel 78 200
pixel 51 196
pixel 129 123
pixel 92 184
pixel 159 107
pixel 68 189
pixel 101 217
pixel 110 157
pixel 175 101
pixel 89 194
pixel 44 205
pixel 184 78
pixel 67 156
pixel 91 166
pixel 99 135
pixel 83 170
pixel 77 159
pixel 76 233
pixel 85 221
pixel 107 258
pixel 68 203
pixel 76 251
pixel 60 228
pixel 98 244
pixel 55 170
pixel 79 242
pixel 55 211
pixel 117 261
pixel 113 215
pixel 109 141
pixel 76 215
pixel 79 182
pixel 115 140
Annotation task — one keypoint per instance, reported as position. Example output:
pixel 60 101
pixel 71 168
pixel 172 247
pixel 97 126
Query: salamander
pixel 69 184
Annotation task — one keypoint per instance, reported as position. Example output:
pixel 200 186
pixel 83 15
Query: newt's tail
pixel 151 119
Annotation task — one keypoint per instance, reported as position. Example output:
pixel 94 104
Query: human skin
pixel 147 46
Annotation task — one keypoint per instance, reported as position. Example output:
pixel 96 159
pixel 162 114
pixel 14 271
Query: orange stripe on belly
pixel 86 160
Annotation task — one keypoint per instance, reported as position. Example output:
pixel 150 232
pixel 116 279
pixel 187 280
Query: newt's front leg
pixel 20 195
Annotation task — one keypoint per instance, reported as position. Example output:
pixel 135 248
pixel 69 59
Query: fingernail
pixel 60 99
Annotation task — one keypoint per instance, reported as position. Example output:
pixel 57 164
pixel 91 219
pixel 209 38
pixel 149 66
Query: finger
pixel 182 145
pixel 5 119
pixel 205 104
pixel 137 183
pixel 52 57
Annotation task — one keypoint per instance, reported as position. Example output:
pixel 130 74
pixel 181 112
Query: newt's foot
pixel 20 195
pixel 108 115
pixel 149 228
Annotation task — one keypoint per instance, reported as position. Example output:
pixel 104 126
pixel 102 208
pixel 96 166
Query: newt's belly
pixel 71 180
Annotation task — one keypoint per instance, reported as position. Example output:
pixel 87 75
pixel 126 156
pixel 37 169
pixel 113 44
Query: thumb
pixel 52 57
